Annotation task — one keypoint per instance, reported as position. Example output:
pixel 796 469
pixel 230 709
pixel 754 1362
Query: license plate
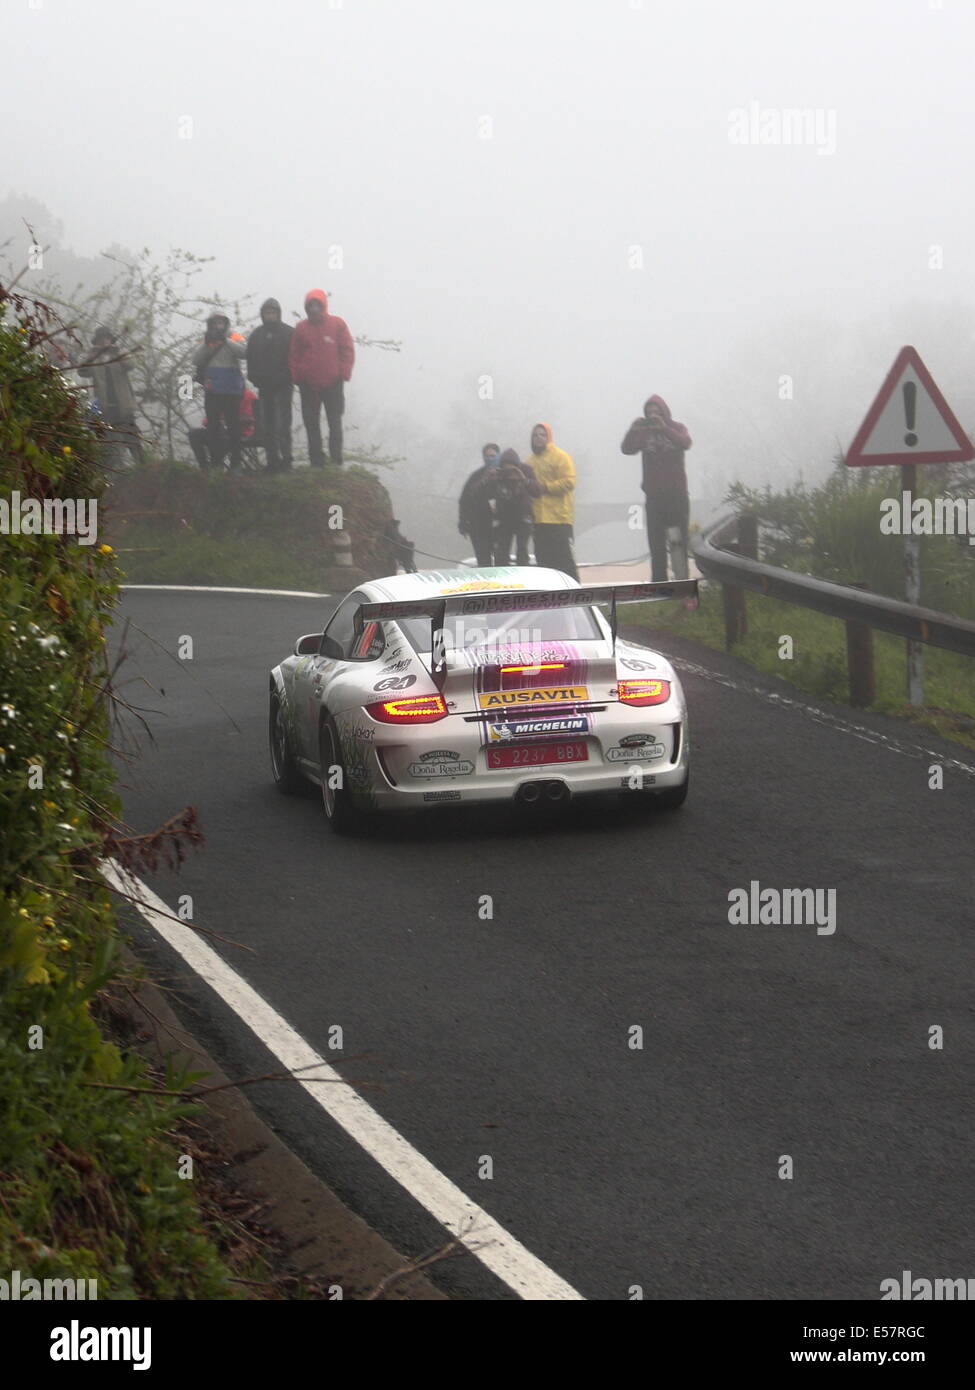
pixel 534 755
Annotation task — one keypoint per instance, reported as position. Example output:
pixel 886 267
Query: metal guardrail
pixel 738 568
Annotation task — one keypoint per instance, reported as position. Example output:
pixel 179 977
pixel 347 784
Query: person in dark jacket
pixel 476 519
pixel 113 392
pixel 515 488
pixel 663 442
pixel 321 357
pixel 217 362
pixel 268 369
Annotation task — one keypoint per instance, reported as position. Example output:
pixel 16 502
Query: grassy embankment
pixel 172 524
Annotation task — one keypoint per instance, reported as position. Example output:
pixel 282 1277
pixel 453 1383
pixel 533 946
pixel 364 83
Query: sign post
pixel 910 423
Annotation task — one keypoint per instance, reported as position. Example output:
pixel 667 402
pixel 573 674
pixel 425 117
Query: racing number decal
pixel 395 683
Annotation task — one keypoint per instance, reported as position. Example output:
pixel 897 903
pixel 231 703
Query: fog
pixel 562 206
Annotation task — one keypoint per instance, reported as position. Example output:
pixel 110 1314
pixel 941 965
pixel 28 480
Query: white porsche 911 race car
pixel 489 685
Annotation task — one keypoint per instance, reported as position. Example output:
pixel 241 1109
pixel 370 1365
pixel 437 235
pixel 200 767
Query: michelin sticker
pixel 536 728
pixel 442 762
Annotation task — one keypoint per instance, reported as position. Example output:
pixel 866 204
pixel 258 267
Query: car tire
pixel 284 770
pixel 343 817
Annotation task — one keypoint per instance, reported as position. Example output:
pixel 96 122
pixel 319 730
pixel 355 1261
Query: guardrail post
pixel 859 659
pixel 748 535
pixel 733 598
pixel 735 612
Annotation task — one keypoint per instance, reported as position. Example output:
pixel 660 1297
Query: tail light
pixel 415 709
pixel 645 692
pixel 539 666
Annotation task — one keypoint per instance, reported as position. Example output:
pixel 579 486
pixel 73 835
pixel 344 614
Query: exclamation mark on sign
pixel 910 405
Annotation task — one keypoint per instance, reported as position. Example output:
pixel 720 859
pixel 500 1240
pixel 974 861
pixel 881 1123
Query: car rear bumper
pixel 447 762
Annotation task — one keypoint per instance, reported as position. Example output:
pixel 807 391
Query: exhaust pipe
pixel 556 791
pixel 529 793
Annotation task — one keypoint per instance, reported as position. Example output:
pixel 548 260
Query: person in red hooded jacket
pixel 321 358
pixel 663 442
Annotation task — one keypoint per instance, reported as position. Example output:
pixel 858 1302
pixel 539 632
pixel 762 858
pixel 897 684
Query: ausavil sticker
pixel 513 729
pixel 503 699
pixel 441 796
pixel 627 784
pixel 442 762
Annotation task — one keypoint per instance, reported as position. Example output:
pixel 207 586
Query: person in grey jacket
pixel 217 363
pixel 109 376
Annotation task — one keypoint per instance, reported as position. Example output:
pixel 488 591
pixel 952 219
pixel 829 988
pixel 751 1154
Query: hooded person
pixel 321 357
pixel 554 506
pixel 515 488
pixel 217 363
pixel 109 375
pixel 476 516
pixel 662 441
pixel 268 369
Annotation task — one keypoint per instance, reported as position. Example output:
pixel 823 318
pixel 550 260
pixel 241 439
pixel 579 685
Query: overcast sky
pixel 495 174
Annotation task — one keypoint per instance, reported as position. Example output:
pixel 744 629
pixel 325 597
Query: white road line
pixel 211 589
pixel 484 1237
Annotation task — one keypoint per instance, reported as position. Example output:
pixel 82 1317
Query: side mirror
pixel 332 649
pixel 308 645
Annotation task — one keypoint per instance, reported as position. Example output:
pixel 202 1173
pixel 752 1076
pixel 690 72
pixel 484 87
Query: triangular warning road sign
pixel 909 422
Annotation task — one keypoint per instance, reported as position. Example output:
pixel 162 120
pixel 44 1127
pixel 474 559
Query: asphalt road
pixel 509 1037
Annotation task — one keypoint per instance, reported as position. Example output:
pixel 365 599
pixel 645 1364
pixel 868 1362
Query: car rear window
pixel 508 629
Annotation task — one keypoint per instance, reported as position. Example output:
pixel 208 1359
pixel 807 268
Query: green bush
pixel 87 1174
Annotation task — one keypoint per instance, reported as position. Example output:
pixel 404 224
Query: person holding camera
pixel 217 363
pixel 663 442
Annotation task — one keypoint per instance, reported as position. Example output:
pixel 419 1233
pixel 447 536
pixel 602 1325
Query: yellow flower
pixel 66 449
pixel 64 944
pixel 48 921
pixel 23 912
pixel 105 550
pixel 51 805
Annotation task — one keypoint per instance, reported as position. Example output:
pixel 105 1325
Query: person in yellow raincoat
pixel 554 509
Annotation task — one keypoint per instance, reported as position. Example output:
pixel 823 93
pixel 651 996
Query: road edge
pixel 321 1234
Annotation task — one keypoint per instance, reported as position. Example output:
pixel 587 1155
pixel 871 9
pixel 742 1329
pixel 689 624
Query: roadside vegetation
pixel 832 531
pixel 89 1187
pixel 173 524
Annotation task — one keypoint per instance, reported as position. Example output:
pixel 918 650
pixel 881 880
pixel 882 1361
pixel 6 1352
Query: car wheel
pixel 286 776
pixel 341 813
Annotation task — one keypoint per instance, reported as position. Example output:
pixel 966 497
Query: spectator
pixel 217 364
pixel 321 357
pixel 200 437
pixel 515 487
pixel 554 507
pixel 268 369
pixel 113 391
pixel 476 517
pixel 663 443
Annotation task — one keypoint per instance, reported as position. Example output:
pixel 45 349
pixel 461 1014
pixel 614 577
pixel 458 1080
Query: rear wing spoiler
pixel 437 606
